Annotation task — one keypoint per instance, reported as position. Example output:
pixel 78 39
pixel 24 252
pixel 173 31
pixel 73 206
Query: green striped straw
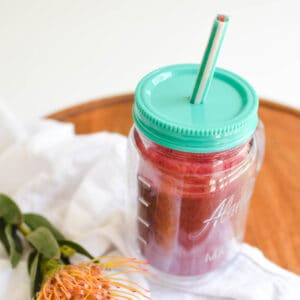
pixel 207 68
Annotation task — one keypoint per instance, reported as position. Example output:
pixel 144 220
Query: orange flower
pixel 94 280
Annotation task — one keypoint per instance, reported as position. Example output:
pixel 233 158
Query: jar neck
pixel 193 163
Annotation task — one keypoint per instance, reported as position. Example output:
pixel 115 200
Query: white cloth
pixel 79 183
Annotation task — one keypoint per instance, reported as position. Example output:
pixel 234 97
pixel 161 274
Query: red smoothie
pixel 192 207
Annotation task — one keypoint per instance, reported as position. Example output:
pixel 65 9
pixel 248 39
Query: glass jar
pixel 189 202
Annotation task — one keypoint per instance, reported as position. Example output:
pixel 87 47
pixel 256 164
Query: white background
pixel 57 53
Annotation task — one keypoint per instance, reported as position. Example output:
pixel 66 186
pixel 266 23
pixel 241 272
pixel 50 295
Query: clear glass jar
pixel 192 170
pixel 189 209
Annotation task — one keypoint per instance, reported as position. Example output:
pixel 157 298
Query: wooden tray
pixel 274 216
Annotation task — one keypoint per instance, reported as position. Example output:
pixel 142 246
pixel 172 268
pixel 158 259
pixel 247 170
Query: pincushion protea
pixel 94 280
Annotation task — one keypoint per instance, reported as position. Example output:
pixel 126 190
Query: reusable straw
pixel 207 67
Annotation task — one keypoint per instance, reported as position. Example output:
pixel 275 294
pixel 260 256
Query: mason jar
pixel 192 170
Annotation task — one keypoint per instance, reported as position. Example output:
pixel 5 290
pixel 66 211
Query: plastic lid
pixel 163 112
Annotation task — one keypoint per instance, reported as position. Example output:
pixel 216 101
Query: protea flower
pixel 94 280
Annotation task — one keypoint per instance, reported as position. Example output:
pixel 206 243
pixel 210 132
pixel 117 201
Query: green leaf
pixel 34 221
pixel 15 245
pixel 76 247
pixel 44 242
pixel 30 259
pixel 3 238
pixel 36 277
pixel 9 210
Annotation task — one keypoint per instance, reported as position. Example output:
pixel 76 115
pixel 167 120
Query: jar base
pixel 175 281
pixel 187 281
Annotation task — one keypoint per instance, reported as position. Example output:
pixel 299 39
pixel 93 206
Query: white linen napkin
pixel 79 183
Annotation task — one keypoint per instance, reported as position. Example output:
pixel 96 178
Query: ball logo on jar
pixel 226 209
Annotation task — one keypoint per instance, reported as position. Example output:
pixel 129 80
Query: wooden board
pixel 274 216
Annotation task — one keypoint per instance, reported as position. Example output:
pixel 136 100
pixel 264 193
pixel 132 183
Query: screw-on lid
pixel 163 112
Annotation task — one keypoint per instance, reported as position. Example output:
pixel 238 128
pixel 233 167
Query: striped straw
pixel 207 68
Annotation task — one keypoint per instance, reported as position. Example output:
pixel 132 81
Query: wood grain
pixel 274 216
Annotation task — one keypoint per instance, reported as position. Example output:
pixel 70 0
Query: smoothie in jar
pixel 195 147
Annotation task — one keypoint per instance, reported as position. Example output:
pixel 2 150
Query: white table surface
pixel 57 53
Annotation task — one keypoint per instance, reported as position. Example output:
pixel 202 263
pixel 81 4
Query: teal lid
pixel 163 113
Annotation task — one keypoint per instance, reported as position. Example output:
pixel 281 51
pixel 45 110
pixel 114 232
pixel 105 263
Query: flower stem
pixel 24 229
